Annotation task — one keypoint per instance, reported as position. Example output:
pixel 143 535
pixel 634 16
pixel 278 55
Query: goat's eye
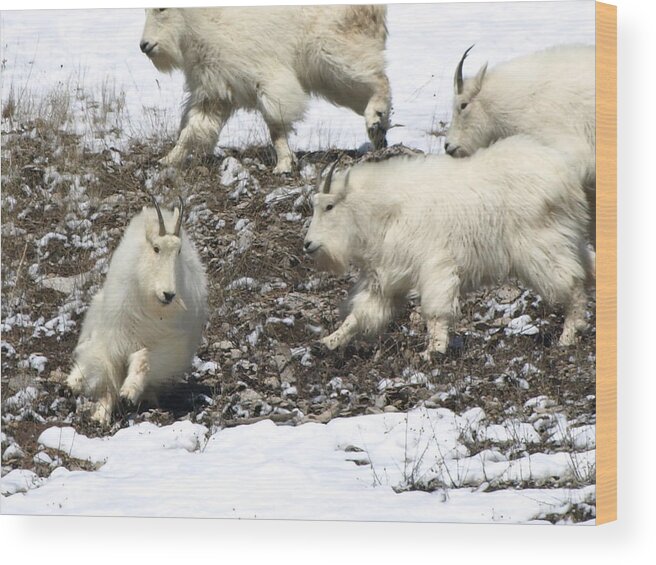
pixel 329 207
pixel 156 249
pixel 463 105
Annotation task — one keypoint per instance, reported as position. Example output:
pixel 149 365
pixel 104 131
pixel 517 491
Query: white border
pixel 103 540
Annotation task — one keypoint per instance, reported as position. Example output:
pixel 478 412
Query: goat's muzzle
pixel 455 151
pixel 147 47
pixel 309 247
pixel 168 298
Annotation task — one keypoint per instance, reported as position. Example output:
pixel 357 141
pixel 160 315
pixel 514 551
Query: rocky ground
pixel 64 208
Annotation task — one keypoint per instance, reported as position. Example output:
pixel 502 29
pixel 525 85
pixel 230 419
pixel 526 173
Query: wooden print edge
pixel 606 269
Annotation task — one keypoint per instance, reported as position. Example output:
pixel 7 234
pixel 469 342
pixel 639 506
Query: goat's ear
pixel 478 79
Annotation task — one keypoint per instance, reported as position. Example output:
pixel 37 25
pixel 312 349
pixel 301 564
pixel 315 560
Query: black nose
pixel 169 296
pixel 145 47
pixel 449 148
pixel 307 244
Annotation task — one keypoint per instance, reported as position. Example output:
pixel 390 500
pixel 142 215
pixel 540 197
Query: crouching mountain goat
pixel 549 95
pixel 144 326
pixel 435 227
pixel 270 59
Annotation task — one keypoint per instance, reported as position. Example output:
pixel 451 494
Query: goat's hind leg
pixel 558 272
pixel 285 159
pixel 377 112
pixel 135 383
pixel 574 316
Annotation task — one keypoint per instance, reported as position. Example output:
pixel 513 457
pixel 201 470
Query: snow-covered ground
pixel 349 469
pixel 419 466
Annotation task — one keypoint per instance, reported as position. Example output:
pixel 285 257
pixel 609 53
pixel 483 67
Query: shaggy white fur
pixel 144 326
pixel 436 227
pixel 549 95
pixel 271 59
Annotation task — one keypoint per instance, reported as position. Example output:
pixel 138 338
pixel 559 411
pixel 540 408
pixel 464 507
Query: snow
pixel 22 398
pixel 13 451
pixel 522 325
pixel 303 472
pixel 19 480
pixel 425 43
pixel 372 467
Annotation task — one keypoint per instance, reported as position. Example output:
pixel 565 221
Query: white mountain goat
pixel 270 59
pixel 144 326
pixel 549 95
pixel 436 227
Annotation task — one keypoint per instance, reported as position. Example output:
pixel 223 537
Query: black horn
pixel 329 178
pixel 457 79
pixel 162 227
pixel 320 175
pixel 178 224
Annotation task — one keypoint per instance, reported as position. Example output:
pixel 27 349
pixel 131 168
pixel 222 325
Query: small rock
pixel 249 395
pixel 280 361
pixel 288 374
pixel 271 382
pixel 43 457
pixel 508 293
pixel 66 285
pixel 57 376
pixel 13 452
pixel 291 391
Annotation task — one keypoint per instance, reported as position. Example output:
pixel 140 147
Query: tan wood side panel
pixel 606 130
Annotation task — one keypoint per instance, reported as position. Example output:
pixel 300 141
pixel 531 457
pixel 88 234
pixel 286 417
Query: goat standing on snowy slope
pixel 270 59
pixel 436 227
pixel 144 326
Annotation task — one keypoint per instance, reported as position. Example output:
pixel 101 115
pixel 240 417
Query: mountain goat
pixel 144 326
pixel 270 59
pixel 549 95
pixel 436 227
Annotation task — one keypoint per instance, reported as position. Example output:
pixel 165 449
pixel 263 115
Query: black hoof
pixel 126 406
pixel 318 349
pixel 377 135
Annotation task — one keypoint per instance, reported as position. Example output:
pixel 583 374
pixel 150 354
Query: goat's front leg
pixel 371 312
pixel 104 408
pixel 343 334
pixel 135 383
pixel 439 289
pixel 199 131
pixel 438 337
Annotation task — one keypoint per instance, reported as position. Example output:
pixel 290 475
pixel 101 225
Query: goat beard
pixel 164 63
pixel 330 262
